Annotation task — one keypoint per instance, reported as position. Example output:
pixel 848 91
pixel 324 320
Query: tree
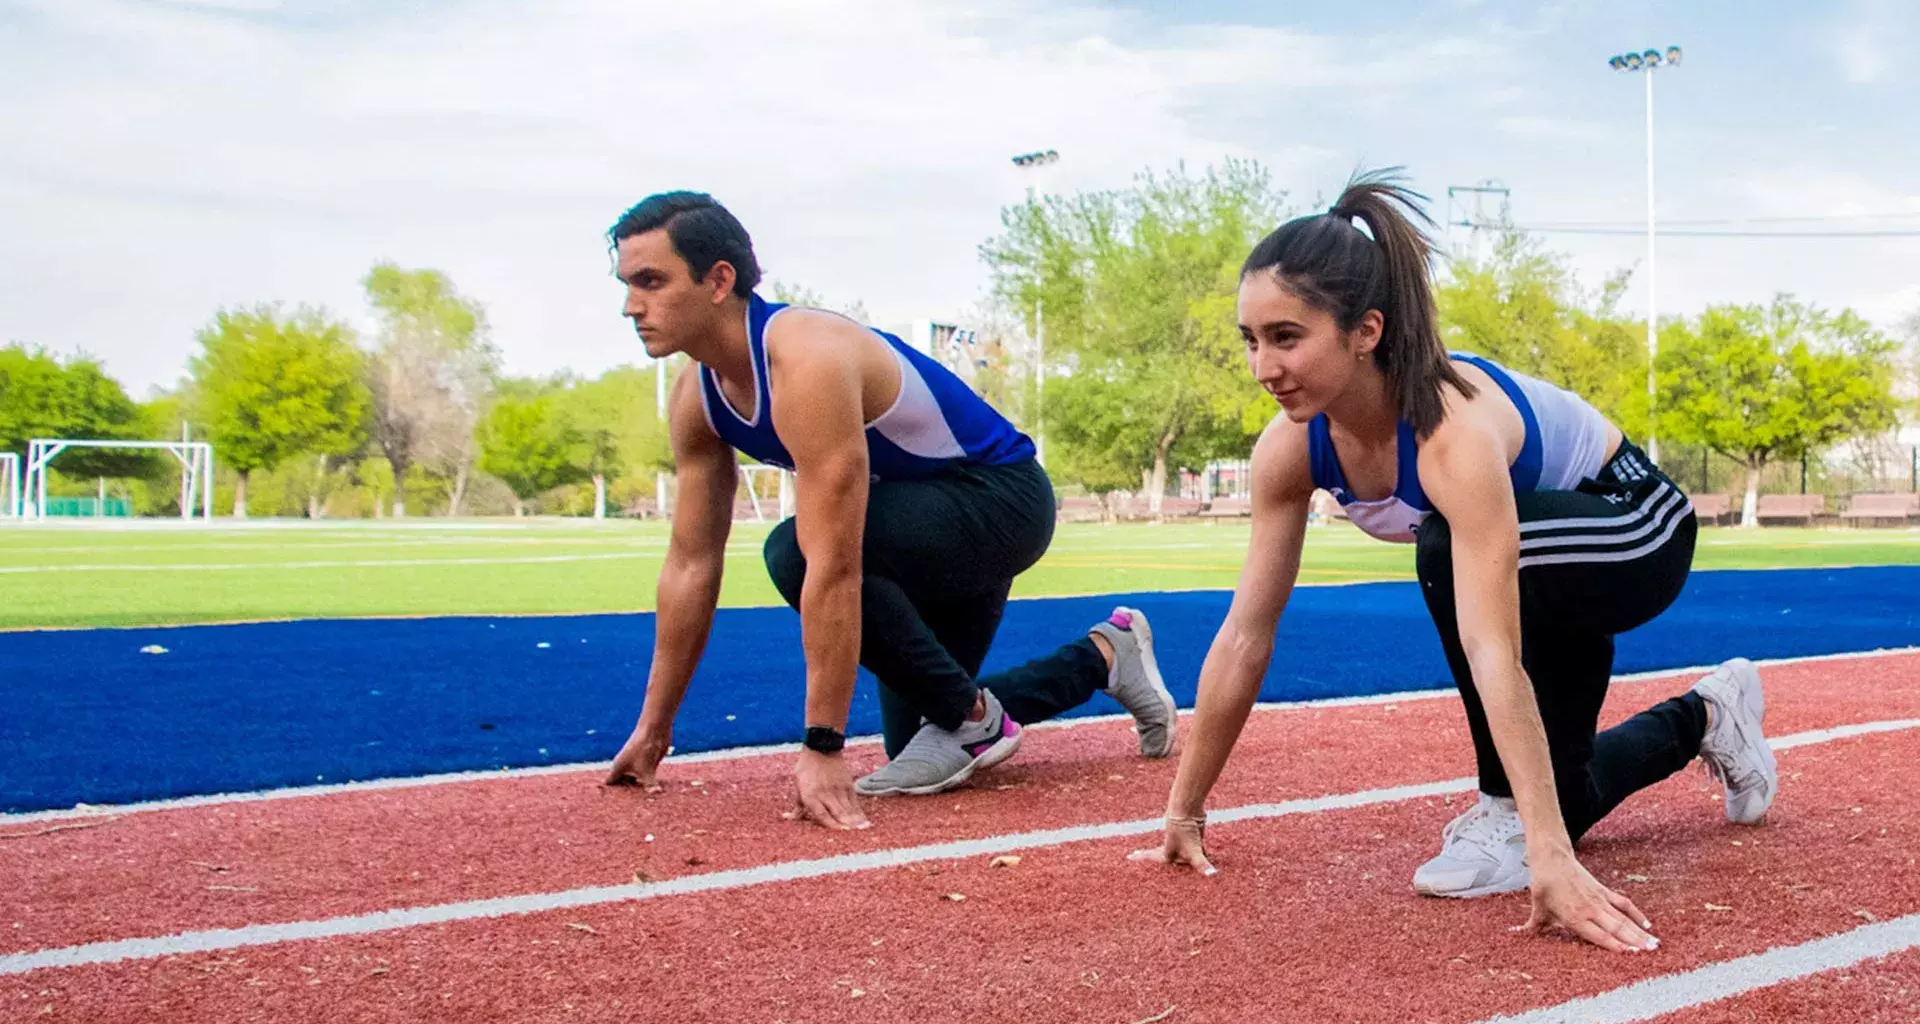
pixel 1524 308
pixel 1759 383
pixel 430 375
pixel 269 385
pixel 1136 290
pixel 614 415
pixel 1907 372
pixel 800 295
pixel 44 396
pixel 530 447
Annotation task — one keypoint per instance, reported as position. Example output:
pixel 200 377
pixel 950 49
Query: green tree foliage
pixel 531 447
pixel 1524 308
pixel 1145 369
pixel 269 385
pixel 1759 383
pixel 44 396
pixel 430 375
pixel 800 295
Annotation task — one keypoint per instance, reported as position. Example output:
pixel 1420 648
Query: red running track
pixel 1311 919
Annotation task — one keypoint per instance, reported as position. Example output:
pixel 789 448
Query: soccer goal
pixel 769 494
pixel 196 469
pixel 10 472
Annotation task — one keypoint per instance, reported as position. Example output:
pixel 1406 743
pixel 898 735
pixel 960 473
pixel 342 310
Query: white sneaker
pixel 1735 750
pixel 1482 853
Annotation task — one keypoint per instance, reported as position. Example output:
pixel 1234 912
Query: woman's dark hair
pixel 1329 263
pixel 702 232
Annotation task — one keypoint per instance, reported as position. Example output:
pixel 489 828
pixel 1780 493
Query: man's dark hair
pixel 702 232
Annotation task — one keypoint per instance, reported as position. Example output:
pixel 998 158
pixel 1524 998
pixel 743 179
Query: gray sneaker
pixel 1735 750
pixel 937 759
pixel 1134 681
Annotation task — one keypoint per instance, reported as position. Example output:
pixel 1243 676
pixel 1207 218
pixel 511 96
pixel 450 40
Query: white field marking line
pixel 370 563
pixel 1669 993
pixel 218 939
pixel 763 750
pixel 274 544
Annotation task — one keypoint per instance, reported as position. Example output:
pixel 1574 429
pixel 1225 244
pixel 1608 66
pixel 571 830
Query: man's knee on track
pixel 785 564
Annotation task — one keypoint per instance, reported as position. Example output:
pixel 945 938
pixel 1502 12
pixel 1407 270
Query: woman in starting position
pixel 1540 532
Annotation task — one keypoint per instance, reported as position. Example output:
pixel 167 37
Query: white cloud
pixel 178 157
pixel 165 159
pixel 1565 128
pixel 1865 44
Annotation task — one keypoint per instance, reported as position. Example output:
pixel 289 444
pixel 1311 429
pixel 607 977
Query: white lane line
pixel 1670 993
pixel 738 878
pixel 743 878
pixel 742 753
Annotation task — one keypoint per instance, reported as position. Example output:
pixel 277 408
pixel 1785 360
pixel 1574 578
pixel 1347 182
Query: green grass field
pixel 153 573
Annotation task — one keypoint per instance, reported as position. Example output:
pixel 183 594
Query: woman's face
pixel 1296 350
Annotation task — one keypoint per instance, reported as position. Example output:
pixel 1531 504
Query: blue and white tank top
pixel 936 422
pixel 1566 442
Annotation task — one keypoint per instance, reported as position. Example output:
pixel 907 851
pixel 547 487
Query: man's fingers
pixel 813 810
pixel 849 811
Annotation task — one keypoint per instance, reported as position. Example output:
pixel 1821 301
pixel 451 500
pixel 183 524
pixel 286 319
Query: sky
pixel 168 158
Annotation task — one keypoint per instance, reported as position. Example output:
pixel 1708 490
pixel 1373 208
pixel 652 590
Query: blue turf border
pixel 87 718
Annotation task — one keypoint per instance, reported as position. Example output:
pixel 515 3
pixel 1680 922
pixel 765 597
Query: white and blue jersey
pixel 935 423
pixel 1566 442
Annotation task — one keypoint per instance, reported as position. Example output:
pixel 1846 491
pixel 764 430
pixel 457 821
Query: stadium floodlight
pixel 1034 163
pixel 1649 61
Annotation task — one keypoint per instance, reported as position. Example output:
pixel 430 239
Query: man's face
pixel 667 306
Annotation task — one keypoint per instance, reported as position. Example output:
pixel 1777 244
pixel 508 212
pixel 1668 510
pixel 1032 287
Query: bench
pixel 1082 509
pixel 1800 509
pixel 1171 507
pixel 1228 507
pixel 1713 509
pixel 1882 508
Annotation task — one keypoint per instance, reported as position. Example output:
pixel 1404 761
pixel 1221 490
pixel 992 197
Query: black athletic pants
pixel 938 561
pixel 1594 562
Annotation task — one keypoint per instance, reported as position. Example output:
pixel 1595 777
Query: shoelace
pixel 1476 829
pixel 1730 771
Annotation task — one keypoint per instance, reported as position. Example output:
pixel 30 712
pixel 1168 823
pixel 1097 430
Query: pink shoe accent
pixel 1008 730
pixel 1121 618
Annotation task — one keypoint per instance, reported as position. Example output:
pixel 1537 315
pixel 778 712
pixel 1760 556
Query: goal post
pixel 769 492
pixel 10 480
pixel 196 469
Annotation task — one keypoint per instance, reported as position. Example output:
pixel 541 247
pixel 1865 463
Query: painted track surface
pixel 1311 918
pixel 90 719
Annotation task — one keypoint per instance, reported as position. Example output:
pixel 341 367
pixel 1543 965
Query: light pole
pixel 1647 63
pixel 1035 163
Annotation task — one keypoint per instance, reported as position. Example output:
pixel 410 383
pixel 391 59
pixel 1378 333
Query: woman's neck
pixel 1367 410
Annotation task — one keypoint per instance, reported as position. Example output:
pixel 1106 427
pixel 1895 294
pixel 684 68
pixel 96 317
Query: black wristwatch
pixel 824 740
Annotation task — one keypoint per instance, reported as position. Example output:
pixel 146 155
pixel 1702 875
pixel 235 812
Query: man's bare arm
pixel 689 586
